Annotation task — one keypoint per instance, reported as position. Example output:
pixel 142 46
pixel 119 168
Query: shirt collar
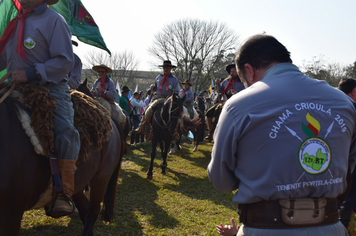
pixel 40 8
pixel 279 69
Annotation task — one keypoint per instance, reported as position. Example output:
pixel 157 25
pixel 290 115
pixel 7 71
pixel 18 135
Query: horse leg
pixel 98 185
pixel 164 158
pixel 153 155
pixel 10 222
pixel 179 147
pixel 82 204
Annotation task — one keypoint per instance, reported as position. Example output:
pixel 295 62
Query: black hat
pixel 228 68
pixel 125 89
pixel 347 85
pixel 136 93
pixel 167 63
pixel 187 82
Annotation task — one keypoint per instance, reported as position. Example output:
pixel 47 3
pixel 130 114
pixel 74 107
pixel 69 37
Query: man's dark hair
pixel 260 51
pixel 347 85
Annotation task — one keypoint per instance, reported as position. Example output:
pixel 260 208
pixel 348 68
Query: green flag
pixel 80 22
pixel 8 11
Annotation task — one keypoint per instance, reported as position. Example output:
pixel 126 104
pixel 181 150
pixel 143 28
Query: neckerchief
pixel 130 108
pixel 165 78
pixel 11 28
pixel 229 85
pixel 102 84
pixel 183 92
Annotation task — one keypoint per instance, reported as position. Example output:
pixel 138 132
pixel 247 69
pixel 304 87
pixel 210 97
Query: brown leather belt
pixel 267 215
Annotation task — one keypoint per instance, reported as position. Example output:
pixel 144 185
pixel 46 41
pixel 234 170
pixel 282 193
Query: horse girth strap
pixel 11 86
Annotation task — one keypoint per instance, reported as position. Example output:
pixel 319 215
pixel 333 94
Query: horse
pixel 25 175
pixel 164 123
pixel 197 127
pixel 83 87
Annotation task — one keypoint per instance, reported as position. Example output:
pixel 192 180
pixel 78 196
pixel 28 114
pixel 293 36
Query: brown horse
pixel 26 175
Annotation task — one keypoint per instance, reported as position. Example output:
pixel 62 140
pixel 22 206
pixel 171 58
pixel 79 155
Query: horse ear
pixel 184 97
pixel 85 81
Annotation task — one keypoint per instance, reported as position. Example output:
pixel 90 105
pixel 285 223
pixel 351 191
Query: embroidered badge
pixel 170 87
pixel 29 43
pixel 314 153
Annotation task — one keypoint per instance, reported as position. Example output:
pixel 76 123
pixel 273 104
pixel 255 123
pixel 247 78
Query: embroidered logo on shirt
pixel 29 43
pixel 314 153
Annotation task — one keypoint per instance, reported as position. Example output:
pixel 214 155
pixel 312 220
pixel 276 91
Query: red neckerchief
pixel 165 78
pixel 102 84
pixel 183 92
pixel 130 108
pixel 229 85
pixel 11 28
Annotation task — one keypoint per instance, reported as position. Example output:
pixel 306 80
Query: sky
pixel 308 28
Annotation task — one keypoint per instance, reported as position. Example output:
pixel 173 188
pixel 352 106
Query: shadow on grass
pixel 49 230
pixel 136 199
pixel 201 189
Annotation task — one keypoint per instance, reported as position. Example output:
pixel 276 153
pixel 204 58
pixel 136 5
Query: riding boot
pixel 141 128
pixel 209 137
pixel 61 206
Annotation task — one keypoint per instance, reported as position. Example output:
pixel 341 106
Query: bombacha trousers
pixel 67 140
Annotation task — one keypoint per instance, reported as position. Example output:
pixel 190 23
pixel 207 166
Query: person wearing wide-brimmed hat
pixel 36 46
pixel 189 97
pixel 124 100
pixel 231 85
pixel 165 84
pixel 104 86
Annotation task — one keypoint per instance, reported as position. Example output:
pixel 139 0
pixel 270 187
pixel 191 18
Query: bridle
pixel 170 116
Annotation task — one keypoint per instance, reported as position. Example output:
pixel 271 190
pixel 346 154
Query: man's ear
pixel 250 73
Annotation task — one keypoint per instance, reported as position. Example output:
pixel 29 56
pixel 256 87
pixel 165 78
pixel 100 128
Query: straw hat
pixel 102 66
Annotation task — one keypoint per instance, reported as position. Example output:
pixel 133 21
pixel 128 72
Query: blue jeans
pixel 67 141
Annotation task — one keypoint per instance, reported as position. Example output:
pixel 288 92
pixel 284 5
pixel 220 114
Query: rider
pixel 104 87
pixel 189 97
pixel 164 83
pixel 230 86
pixel 40 51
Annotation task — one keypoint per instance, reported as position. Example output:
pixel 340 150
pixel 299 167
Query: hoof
pixel 163 172
pixel 149 177
pixel 195 149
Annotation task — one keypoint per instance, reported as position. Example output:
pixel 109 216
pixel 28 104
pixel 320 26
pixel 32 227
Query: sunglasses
pixel 101 71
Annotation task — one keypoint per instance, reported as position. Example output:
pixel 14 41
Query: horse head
pixel 83 87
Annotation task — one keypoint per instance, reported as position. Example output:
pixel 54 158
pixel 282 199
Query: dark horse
pixel 25 175
pixel 198 130
pixel 164 123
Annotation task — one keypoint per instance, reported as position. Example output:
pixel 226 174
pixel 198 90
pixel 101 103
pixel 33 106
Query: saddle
pixel 91 119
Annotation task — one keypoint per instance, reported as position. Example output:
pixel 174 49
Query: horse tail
pixel 109 198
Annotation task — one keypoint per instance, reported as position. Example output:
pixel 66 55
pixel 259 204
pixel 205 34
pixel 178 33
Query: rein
pixel 10 86
pixel 170 111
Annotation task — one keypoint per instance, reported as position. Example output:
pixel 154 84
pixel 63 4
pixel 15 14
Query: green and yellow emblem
pixel 29 43
pixel 314 153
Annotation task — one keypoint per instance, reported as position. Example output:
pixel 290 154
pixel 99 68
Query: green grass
pixel 183 202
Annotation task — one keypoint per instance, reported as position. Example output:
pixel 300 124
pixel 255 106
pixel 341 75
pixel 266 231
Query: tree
pixel 319 69
pixel 351 71
pixel 201 49
pixel 124 66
